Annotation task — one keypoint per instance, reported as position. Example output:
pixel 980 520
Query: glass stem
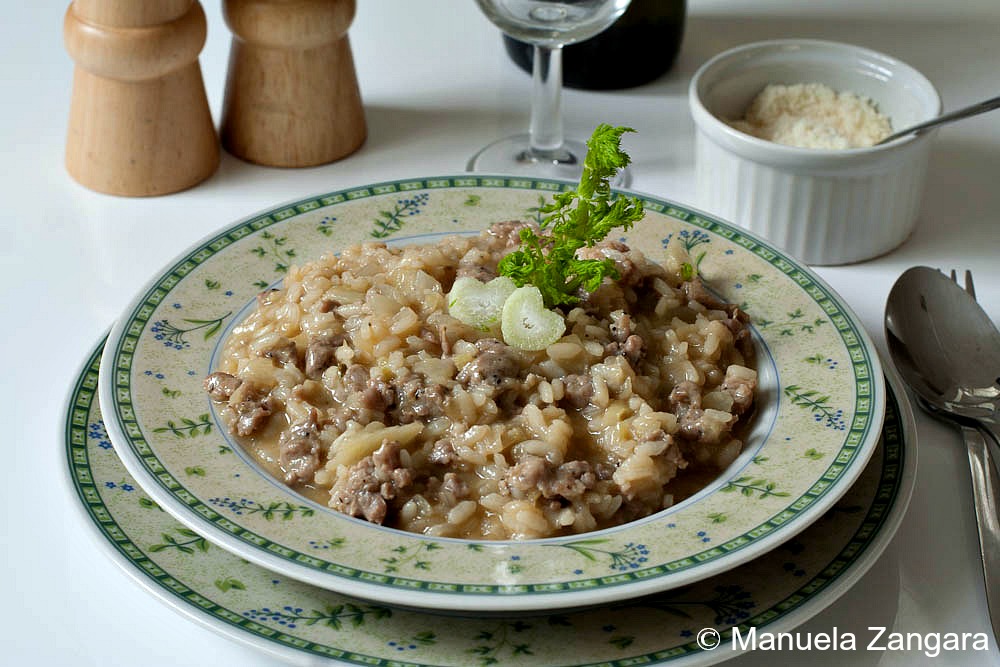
pixel 546 131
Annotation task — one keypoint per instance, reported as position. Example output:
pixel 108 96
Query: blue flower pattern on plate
pixel 96 431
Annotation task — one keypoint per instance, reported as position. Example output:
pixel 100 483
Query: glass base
pixel 513 155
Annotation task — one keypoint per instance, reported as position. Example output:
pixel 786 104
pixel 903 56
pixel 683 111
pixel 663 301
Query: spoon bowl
pixel 944 344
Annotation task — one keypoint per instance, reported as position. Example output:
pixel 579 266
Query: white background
pixel 436 86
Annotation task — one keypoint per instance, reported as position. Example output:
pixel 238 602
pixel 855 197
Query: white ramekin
pixel 822 206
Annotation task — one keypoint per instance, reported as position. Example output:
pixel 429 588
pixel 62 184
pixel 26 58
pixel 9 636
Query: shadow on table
pixel 392 127
pixel 961 207
pixel 397 135
pixel 872 602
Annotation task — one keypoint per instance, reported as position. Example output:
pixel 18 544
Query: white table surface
pixel 436 87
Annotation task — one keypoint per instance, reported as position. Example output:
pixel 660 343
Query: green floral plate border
pixel 302 623
pixel 821 401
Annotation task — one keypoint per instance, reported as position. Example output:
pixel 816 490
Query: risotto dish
pixel 357 385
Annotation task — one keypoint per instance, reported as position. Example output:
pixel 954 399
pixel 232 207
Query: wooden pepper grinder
pixel 139 122
pixel 292 97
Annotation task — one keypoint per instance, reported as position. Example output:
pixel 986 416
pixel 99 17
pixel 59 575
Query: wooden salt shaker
pixel 292 97
pixel 139 121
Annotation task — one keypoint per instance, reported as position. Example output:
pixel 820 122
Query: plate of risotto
pixel 370 391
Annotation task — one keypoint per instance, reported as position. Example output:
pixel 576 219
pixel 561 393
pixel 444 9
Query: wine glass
pixel 547 25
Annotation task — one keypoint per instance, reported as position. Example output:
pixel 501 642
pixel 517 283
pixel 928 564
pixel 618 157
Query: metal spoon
pixel 965 112
pixel 948 351
pixel 946 346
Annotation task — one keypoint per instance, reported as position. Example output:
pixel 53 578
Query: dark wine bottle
pixel 639 47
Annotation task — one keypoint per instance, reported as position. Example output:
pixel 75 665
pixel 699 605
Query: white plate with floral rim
pixel 820 410
pixel 307 625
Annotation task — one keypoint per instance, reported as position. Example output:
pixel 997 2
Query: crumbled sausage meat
pixel 282 351
pixel 252 410
pixel 737 322
pixel 527 474
pixel 443 453
pixel 695 290
pixel 416 400
pixel 321 353
pixel 604 471
pixel 378 395
pixel 220 386
pixel 568 481
pixel 632 348
pixel 368 485
pixel 685 402
pixel 578 390
pixel 620 327
pixel 299 450
pixel 692 423
pixel 624 342
pixel 375 393
pixel 356 378
pixel 495 366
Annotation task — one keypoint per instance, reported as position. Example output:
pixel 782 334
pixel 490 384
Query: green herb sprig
pixel 576 219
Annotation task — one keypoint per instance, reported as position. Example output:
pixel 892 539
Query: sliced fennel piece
pixel 479 304
pixel 526 323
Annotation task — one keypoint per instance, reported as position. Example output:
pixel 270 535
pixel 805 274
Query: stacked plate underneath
pixel 806 509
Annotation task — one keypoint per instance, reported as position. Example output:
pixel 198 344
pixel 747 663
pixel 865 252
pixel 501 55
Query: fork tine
pixel 970 287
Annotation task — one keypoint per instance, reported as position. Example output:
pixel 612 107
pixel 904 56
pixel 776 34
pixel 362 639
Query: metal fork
pixel 988 435
pixel 970 287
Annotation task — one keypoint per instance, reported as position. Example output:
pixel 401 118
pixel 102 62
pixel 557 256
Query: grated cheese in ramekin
pixel 813 115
